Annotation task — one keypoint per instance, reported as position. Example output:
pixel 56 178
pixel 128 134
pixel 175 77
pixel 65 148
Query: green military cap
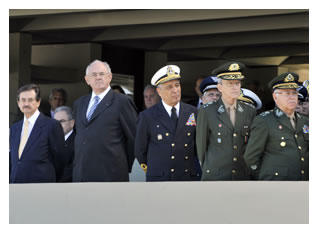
pixel 230 71
pixel 285 81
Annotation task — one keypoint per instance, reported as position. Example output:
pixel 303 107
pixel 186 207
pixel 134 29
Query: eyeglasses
pixel 97 74
pixel 288 93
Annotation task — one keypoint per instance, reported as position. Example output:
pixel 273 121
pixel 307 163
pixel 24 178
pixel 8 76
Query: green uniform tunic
pixel 221 146
pixel 275 150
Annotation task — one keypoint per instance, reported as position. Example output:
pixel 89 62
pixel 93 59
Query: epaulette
pixel 250 105
pixel 207 104
pixel 265 113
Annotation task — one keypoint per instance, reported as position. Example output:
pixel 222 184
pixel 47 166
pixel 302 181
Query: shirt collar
pixel 68 134
pixel 101 95
pixel 168 108
pixel 33 118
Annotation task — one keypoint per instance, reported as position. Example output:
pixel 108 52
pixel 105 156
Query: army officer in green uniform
pixel 223 128
pixel 278 147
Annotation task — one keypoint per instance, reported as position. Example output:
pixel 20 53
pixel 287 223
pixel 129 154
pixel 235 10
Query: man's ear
pixel 219 86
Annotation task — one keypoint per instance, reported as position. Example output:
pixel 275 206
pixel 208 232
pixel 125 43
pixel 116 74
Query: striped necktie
pixel 93 107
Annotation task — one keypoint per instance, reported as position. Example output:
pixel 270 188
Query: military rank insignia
pixel 191 121
pixel 305 129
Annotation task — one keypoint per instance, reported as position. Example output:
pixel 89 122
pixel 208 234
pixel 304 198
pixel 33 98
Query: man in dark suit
pixel 105 127
pixel 64 115
pixel 165 140
pixel 36 142
pixel 223 128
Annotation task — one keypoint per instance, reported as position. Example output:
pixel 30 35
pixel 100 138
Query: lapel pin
pixel 159 137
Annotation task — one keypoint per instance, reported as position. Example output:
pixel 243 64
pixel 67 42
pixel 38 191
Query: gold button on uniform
pixel 276 173
pixel 302 172
pixel 172 145
pixel 189 133
pixel 219 133
pixel 233 171
pixel 302 159
pixel 186 145
pixel 299 147
pixel 235 147
pixel 283 144
pixel 208 171
pixel 234 135
pixel 172 170
pixel 186 170
pixel 235 159
pixel 186 157
pixel 296 135
pixel 167 134
pixel 172 157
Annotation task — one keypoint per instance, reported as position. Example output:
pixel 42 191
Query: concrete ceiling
pixel 258 37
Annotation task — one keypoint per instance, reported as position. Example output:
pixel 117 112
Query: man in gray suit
pixel 105 130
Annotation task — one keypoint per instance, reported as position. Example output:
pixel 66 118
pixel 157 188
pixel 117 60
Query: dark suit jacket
pixel 104 146
pixel 69 150
pixel 43 158
pixel 169 155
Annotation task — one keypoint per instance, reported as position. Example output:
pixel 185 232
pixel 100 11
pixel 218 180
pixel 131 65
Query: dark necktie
pixel 174 116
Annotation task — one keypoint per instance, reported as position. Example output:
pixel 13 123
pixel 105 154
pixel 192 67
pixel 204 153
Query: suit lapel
pixel 36 130
pixel 83 111
pixel 16 140
pixel 163 116
pixel 183 118
pixel 223 115
pixel 105 102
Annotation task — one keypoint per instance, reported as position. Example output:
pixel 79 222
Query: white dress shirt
pixel 168 108
pixel 67 135
pixel 32 120
pixel 101 96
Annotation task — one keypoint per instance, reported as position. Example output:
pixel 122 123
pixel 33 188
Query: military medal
pixel 159 137
pixel 219 140
pixel 283 144
pixel 305 129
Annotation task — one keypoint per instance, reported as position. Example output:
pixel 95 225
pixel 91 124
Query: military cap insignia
pixel 305 129
pixel 240 109
pixel 170 71
pixel 289 78
pixel 191 121
pixel 234 67
pixel 221 109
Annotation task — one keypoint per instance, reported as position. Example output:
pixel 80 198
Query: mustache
pixel 26 107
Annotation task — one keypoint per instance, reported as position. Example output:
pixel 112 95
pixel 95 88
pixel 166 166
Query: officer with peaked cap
pixel 165 138
pixel 209 90
pixel 250 97
pixel 278 147
pixel 223 128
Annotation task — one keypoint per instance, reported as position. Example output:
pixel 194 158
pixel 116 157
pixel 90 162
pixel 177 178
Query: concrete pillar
pixel 19 69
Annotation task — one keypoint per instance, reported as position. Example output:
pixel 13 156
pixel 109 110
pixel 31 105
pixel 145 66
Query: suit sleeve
pixel 202 133
pixel 142 139
pixel 128 119
pixel 57 149
pixel 258 139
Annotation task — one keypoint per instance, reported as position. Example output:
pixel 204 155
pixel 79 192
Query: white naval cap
pixel 165 74
pixel 250 97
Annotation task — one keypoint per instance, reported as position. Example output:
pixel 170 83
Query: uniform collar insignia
pixel 298 115
pixel 240 109
pixel 221 109
pixel 279 113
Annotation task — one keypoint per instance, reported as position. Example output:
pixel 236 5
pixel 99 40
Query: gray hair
pixel 59 90
pixel 96 61
pixel 219 80
pixel 66 109
pixel 149 87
